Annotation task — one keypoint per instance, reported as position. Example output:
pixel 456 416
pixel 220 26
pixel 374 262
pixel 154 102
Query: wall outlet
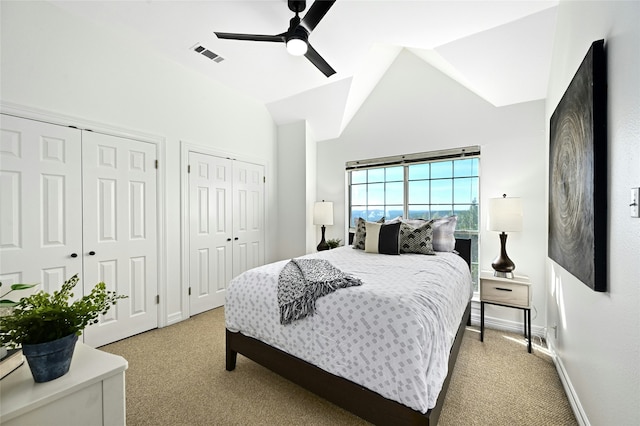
pixel 635 200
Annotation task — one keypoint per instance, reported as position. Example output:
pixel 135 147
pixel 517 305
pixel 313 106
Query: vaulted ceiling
pixel 501 50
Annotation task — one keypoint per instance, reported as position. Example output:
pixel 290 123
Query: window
pixel 421 188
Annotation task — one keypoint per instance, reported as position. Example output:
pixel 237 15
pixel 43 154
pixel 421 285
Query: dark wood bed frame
pixel 351 396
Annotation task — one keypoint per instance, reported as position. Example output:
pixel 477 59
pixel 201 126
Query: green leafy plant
pixel 43 317
pixel 8 303
pixel 333 243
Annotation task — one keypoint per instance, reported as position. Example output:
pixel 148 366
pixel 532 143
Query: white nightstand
pixel 510 292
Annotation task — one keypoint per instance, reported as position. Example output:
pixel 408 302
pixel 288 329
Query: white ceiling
pixel 501 50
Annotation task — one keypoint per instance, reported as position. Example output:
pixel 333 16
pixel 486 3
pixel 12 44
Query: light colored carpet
pixel 177 376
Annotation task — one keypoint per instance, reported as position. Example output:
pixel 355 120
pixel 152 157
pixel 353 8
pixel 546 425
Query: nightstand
pixel 510 292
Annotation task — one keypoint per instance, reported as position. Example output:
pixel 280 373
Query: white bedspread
pixel 392 335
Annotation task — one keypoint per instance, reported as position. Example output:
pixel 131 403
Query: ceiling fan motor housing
pixel 297 31
pixel 297 6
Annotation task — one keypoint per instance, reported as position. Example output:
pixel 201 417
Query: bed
pixel 383 350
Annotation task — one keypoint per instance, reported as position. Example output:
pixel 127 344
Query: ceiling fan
pixel 296 37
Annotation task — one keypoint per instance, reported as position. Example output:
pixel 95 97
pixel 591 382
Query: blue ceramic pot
pixel 50 360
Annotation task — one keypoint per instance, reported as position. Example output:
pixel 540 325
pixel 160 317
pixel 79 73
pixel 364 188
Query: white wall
pixel 296 189
pixel 598 344
pixel 58 63
pixel 311 160
pixel 416 108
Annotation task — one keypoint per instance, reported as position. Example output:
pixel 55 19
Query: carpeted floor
pixel 177 376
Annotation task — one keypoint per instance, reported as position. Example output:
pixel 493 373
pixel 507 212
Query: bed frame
pixel 351 396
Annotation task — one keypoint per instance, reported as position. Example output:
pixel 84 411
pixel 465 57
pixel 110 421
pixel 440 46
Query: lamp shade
pixel 323 213
pixel 505 214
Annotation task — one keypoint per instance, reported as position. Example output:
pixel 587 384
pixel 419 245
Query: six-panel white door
pixel 210 230
pixel 41 207
pixel 120 232
pixel 248 216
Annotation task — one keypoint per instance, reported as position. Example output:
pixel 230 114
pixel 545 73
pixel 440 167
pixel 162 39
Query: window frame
pixel 423 158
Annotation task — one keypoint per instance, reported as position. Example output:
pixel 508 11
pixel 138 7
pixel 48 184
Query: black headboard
pixel 463 247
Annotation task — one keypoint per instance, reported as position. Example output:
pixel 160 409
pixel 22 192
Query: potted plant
pixel 8 303
pixel 333 243
pixel 10 359
pixel 47 326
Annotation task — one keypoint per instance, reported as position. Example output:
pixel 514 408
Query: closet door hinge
pixel 189 168
pixel 157 164
pixel 264 179
pixel 157 299
pixel 189 291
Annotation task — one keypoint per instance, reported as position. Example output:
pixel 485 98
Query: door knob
pixel 228 239
pixel 92 253
pixel 236 238
pixel 74 254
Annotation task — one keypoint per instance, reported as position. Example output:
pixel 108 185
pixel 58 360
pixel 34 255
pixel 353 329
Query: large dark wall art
pixel 578 174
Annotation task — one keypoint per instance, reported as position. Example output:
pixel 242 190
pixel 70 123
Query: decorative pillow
pixel 415 222
pixel 394 220
pixel 443 229
pixel 382 238
pixel 416 239
pixel 361 233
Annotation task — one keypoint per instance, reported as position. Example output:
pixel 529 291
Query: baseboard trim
pixel 537 331
pixel 175 318
pixel 574 401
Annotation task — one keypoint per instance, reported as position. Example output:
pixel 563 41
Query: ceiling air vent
pixel 209 54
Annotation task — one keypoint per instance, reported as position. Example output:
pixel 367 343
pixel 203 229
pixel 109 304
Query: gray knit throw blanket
pixel 303 281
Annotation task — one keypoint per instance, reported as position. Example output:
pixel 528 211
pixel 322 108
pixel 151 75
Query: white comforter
pixel 392 335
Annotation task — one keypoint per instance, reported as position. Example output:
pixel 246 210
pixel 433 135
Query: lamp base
pixel 502 265
pixel 500 274
pixel 323 244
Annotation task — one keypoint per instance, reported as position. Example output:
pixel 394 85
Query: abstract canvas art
pixel 578 174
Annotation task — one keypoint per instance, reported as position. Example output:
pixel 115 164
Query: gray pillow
pixel 443 230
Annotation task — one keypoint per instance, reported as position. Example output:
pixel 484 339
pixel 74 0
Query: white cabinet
pixel 226 225
pixel 76 201
pixel 91 393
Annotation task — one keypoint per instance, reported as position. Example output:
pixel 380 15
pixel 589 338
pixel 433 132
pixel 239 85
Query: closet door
pixel 248 216
pixel 120 225
pixel 210 231
pixel 41 208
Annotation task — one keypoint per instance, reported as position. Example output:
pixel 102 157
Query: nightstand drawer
pixel 505 293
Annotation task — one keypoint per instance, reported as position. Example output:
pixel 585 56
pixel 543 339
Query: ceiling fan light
pixel 296 46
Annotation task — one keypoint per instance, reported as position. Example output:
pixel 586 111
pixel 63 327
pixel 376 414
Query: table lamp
pixel 323 215
pixel 505 215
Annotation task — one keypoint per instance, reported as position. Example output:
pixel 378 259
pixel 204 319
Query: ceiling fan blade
pixel 316 12
pixel 251 37
pixel 318 61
